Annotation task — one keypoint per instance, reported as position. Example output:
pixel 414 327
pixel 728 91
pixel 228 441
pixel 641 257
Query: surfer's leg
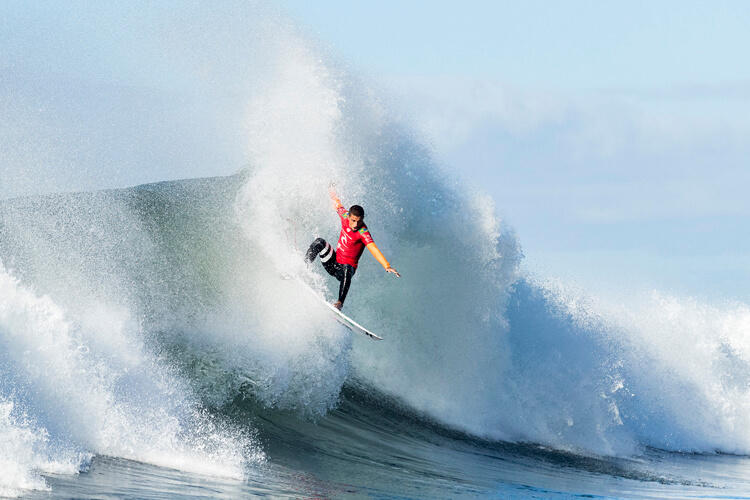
pixel 327 256
pixel 319 246
pixel 342 272
pixel 344 275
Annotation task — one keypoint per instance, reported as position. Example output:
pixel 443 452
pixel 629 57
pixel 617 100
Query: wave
pixel 79 374
pixel 177 277
pixel 130 316
pixel 661 372
pixel 472 340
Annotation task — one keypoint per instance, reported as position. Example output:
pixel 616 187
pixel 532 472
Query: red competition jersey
pixel 351 243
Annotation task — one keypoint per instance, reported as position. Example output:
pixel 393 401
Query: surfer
pixel 354 238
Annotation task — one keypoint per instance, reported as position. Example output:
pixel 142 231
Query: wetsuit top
pixel 351 243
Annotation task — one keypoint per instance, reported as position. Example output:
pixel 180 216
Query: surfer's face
pixel 354 222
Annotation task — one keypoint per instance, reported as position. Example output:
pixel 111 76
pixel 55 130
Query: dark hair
pixel 357 211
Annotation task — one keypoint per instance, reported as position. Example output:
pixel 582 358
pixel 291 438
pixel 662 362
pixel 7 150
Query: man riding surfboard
pixel 353 239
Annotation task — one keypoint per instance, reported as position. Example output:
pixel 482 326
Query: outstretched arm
pixel 372 247
pixel 335 199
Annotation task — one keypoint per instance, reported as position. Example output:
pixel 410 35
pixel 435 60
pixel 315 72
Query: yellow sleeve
pixel 372 247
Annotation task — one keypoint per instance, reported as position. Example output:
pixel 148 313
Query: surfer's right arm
pixel 340 209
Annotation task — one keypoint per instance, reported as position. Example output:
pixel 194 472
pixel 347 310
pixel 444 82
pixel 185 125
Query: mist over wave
pixel 130 317
pixel 83 383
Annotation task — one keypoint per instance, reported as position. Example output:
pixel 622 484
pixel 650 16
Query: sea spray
pixel 611 378
pixel 26 453
pixel 686 367
pixel 316 126
pixel 75 387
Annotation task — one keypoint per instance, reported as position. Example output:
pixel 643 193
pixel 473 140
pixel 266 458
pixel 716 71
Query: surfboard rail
pixel 337 315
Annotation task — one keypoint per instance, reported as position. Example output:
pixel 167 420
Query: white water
pixel 76 386
pixel 471 341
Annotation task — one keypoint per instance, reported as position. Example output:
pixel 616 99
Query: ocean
pixel 150 349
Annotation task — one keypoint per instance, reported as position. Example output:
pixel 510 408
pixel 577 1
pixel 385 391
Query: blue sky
pixel 613 136
pixel 579 45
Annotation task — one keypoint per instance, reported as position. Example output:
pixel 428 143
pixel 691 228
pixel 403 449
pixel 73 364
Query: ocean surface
pixel 149 348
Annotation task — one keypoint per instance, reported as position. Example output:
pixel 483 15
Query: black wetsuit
pixel 342 272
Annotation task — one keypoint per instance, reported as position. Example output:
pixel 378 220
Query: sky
pixel 578 45
pixel 613 136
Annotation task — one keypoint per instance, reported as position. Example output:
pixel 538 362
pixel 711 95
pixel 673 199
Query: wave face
pixel 82 370
pixel 129 317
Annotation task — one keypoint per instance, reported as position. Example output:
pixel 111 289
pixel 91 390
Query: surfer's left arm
pixel 373 248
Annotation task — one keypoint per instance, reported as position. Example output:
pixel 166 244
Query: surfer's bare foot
pixel 338 305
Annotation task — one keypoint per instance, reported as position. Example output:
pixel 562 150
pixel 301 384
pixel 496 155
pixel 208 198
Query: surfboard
pixel 337 315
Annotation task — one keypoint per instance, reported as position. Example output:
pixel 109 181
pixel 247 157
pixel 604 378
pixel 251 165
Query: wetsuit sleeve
pixel 372 247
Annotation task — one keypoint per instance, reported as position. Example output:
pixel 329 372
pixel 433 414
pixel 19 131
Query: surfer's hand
pixel 338 305
pixel 391 270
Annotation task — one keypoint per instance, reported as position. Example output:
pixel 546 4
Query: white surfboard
pixel 337 315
